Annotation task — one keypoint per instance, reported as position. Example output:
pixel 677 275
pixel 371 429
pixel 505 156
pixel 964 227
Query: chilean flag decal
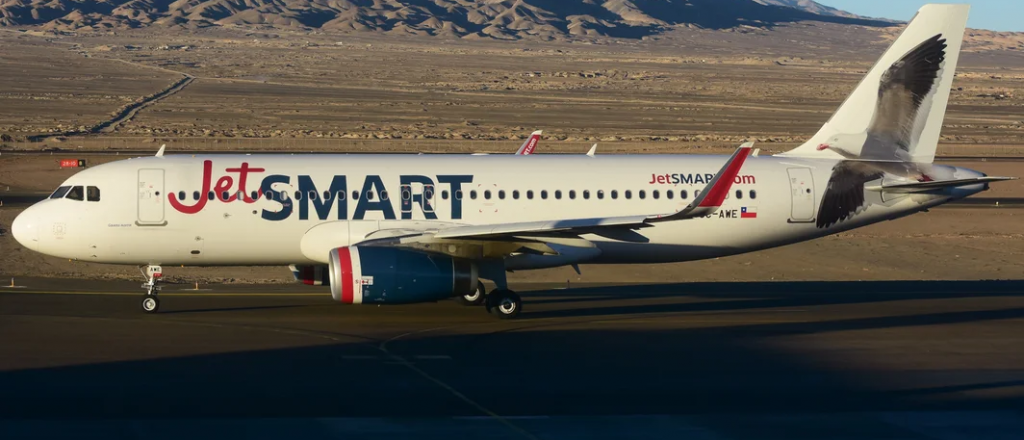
pixel 748 212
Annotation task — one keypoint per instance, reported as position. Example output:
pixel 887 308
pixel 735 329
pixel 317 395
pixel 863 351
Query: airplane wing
pixel 530 144
pixel 913 187
pixel 707 202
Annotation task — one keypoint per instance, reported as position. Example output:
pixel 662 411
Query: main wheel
pixel 504 304
pixel 475 298
pixel 150 304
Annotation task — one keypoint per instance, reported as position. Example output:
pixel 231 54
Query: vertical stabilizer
pixel 896 112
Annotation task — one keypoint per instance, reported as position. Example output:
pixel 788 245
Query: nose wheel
pixel 150 304
pixel 153 274
pixel 504 304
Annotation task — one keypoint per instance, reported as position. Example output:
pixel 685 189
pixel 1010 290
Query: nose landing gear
pixel 153 274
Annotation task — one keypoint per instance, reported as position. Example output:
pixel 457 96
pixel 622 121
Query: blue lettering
pixel 413 198
pixel 455 185
pixel 266 187
pixel 320 203
pixel 373 184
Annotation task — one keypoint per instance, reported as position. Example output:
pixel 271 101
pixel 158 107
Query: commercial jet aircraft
pixel 391 229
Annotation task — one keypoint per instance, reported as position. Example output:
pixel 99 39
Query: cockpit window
pixel 60 192
pixel 76 193
pixel 92 194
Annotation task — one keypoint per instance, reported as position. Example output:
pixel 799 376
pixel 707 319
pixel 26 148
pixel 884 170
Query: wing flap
pixel 912 187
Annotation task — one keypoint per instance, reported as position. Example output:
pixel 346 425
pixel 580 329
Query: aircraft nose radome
pixel 25 230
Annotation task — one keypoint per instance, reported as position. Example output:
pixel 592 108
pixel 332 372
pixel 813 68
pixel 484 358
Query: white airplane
pixel 390 229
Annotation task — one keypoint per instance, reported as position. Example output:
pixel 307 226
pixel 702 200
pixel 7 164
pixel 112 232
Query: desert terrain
pixel 689 89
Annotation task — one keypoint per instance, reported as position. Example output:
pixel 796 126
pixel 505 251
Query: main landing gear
pixel 501 302
pixel 474 299
pixel 153 274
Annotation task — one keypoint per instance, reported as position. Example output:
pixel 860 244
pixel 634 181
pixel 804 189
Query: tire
pixel 504 304
pixel 477 298
pixel 151 304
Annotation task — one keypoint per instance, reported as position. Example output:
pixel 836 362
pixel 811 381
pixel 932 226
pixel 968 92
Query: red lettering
pixel 661 179
pixel 224 185
pixel 201 203
pixel 243 173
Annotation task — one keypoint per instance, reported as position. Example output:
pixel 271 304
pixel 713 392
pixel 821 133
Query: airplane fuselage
pixel 256 209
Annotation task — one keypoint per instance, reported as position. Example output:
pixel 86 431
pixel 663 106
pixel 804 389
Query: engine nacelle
pixel 385 275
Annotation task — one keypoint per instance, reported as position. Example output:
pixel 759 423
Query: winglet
pixel 712 196
pixel 530 144
pixel 160 152
pixel 592 151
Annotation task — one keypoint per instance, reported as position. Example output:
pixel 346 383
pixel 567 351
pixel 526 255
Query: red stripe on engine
pixel 345 264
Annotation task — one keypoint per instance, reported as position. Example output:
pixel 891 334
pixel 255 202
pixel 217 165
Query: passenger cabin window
pixel 501 194
pixel 327 195
pixel 369 195
pixel 355 195
pixel 515 194
pixel 92 194
pixel 487 194
pixel 558 194
pixel 384 194
pixel 181 195
pixel 739 194
pixel 529 194
pixel 642 194
pixel 615 193
pixel 224 195
pixel 668 194
pixel 586 194
pixel 472 194
pixel 60 192
pixel 683 194
pixel 753 194
pixel 572 194
pixel 600 193
pixel 76 193
pixel 444 194
pixel 458 194
pixel 195 195
pixel 209 195
pixel 656 194
pixel 544 194
pixel 629 194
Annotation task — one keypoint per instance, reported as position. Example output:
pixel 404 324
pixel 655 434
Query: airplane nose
pixel 26 229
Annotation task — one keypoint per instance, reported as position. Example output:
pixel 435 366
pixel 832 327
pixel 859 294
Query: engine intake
pixel 384 275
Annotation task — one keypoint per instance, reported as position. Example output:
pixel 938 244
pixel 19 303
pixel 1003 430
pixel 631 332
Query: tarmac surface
pixel 780 360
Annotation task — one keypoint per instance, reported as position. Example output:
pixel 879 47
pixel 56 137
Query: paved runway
pixel 907 360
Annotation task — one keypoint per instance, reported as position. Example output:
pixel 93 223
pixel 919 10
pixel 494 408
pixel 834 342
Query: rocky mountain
pixel 809 6
pixel 499 19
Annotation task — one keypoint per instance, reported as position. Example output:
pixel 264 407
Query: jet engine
pixel 385 275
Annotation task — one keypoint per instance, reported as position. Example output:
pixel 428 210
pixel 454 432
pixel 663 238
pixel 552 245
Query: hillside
pixel 497 19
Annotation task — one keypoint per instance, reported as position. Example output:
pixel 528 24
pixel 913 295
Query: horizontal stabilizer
pixel 913 187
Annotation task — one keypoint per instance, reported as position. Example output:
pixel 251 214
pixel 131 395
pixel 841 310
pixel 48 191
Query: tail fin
pixel 897 110
pixel 530 144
